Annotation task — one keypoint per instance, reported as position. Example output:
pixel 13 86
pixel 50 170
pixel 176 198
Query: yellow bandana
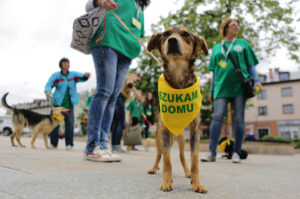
pixel 58 117
pixel 178 107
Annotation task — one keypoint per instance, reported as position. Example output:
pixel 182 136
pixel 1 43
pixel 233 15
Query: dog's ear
pixel 154 42
pixel 201 45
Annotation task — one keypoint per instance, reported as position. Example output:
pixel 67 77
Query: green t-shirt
pixel 136 108
pixel 148 111
pixel 117 36
pixel 227 82
pixel 67 101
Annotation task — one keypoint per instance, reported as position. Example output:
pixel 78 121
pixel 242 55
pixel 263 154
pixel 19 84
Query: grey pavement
pixel 40 173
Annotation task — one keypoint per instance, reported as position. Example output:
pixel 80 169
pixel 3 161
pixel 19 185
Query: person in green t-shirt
pixel 112 57
pixel 149 113
pixel 227 85
pixel 136 112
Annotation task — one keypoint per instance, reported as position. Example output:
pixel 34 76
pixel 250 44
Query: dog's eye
pixel 185 34
pixel 166 34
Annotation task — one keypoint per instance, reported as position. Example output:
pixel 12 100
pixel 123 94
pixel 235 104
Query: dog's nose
pixel 172 41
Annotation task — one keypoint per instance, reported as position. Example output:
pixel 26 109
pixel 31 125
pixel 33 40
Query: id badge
pixel 223 64
pixel 136 23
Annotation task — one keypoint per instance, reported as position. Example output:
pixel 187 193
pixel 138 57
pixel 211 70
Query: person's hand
pixel 48 95
pixel 88 75
pixel 108 4
pixel 258 85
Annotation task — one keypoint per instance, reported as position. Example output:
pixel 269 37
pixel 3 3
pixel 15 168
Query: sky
pixel 35 35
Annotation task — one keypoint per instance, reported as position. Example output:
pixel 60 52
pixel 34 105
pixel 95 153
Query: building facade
pixel 276 111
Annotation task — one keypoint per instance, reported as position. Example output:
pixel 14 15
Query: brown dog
pixel 178 48
pixel 40 124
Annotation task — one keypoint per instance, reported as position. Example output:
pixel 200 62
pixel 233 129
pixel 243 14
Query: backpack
pixel 85 27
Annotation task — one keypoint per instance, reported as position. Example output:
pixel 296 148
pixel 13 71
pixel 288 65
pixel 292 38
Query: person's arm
pixel 90 5
pixel 211 91
pixel 49 86
pixel 107 4
pixel 81 77
pixel 253 74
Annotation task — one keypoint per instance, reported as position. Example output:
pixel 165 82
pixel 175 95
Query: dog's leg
pixel 195 145
pixel 181 142
pixel 158 152
pixel 35 134
pixel 12 137
pixel 45 136
pixel 167 166
pixel 18 136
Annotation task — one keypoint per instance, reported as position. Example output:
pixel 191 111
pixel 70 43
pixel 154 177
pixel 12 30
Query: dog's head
pixel 132 79
pixel 177 43
pixel 59 111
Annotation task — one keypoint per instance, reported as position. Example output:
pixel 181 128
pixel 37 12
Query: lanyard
pixel 138 8
pixel 225 55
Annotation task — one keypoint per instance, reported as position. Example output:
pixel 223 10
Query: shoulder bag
pixel 85 27
pixel 247 83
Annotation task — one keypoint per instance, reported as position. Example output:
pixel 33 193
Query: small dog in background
pixel 40 124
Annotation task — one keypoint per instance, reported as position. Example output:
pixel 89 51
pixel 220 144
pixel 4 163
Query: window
pixel 284 76
pixel 262 110
pixel 286 92
pixel 288 109
pixel 262 95
pixel 263 132
pixel 290 132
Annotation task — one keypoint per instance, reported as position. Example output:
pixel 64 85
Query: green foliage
pixel 84 111
pixel 152 135
pixel 274 138
pixel 296 140
pixel 267 24
pixel 296 143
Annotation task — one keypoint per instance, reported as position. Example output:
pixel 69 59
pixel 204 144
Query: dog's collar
pixel 178 104
pixel 58 117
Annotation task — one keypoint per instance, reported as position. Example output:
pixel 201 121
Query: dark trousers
pixel 145 132
pixel 118 123
pixel 69 130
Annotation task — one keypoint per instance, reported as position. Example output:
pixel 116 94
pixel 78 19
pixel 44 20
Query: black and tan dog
pixel 40 124
pixel 178 48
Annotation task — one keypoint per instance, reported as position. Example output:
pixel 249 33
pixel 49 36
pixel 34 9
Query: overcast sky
pixel 35 34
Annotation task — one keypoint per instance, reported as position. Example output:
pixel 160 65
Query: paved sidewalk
pixel 40 173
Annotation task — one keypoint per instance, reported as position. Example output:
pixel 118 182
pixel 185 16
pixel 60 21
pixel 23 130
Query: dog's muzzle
pixel 173 47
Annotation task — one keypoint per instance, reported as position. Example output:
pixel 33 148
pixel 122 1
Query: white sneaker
pixel 236 158
pixel 102 156
pixel 208 158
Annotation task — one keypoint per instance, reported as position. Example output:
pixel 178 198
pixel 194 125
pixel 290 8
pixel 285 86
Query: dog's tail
pixel 4 103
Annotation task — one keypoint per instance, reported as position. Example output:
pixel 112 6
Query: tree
pixel 268 25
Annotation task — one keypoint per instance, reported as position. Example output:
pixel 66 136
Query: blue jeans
pixel 220 109
pixel 118 123
pixel 111 69
pixel 69 130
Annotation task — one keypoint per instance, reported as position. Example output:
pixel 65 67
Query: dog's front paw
pixel 14 145
pixel 23 146
pixel 166 187
pixel 33 147
pixel 152 171
pixel 188 174
pixel 199 188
